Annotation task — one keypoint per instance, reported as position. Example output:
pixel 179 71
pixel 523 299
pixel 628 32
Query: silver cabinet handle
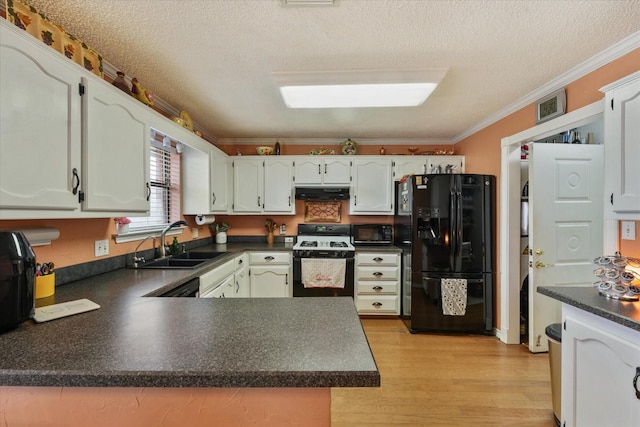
pixel 269 258
pixel 377 274
pixel 378 259
pixel 635 383
pixel 319 170
pixel 213 196
pixel 377 304
pixel 286 279
pixel 325 168
pixel 377 288
pixel 258 200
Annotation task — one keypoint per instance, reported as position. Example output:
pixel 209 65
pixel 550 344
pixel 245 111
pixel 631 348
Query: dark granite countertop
pixel 138 341
pixel 588 299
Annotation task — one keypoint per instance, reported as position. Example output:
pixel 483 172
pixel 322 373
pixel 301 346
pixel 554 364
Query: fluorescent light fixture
pixel 351 89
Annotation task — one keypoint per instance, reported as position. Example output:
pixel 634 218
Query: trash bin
pixel 554 333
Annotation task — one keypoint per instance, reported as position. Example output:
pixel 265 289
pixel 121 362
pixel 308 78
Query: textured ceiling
pixel 214 59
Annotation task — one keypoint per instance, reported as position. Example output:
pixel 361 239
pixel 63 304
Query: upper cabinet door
pixel 315 170
pixel 372 190
pixel 248 180
pixel 39 129
pixel 622 154
pixel 115 146
pixel 278 185
pixel 220 180
pixel 409 165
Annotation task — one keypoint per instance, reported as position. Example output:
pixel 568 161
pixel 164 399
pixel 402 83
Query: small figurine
pixel 121 84
pixel 140 93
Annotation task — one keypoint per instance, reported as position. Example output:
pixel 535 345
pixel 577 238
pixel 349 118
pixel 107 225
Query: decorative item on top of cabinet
pixel 121 83
pixel 349 147
pixel 140 93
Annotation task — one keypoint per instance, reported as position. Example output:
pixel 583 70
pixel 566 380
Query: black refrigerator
pixel 447 223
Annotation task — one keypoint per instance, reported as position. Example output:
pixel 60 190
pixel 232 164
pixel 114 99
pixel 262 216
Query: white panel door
pixel 248 180
pixel 565 226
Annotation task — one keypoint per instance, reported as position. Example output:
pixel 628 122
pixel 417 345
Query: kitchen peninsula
pixel 181 361
pixel 600 357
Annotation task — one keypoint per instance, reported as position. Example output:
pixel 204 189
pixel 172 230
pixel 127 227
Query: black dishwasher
pixel 190 289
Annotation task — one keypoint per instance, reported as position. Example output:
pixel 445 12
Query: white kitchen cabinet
pixel 241 276
pixel 445 164
pixel 262 185
pixel 206 180
pixel 270 274
pixel 278 185
pixel 622 148
pixel 377 283
pixel 600 371
pixel 409 165
pixel 40 130
pixel 372 189
pixel 317 170
pixel 71 145
pixel 248 184
pixel 115 150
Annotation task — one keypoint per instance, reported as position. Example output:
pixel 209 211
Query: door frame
pixel 510 194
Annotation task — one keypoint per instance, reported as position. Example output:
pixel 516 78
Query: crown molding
pixel 334 141
pixel 614 52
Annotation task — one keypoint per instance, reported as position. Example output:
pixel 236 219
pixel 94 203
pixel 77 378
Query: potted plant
pixel 122 224
pixel 221 231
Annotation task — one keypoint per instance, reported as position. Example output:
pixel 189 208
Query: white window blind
pixel 164 180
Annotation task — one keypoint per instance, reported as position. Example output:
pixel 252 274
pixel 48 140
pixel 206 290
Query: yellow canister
pixel 45 285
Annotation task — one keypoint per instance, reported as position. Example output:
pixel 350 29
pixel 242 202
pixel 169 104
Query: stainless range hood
pixel 320 193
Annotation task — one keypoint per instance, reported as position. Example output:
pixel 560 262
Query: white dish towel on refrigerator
pixel 323 273
pixel 454 296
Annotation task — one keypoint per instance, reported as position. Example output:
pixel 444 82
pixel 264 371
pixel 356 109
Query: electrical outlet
pixel 102 247
pixel 628 230
pixel 194 233
pixel 288 239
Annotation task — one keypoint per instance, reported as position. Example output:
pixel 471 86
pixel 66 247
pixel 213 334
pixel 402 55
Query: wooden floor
pixel 446 380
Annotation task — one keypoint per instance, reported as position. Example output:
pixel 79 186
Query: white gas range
pixel 324 241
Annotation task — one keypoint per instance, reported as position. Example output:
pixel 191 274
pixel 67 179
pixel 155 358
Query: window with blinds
pixel 164 179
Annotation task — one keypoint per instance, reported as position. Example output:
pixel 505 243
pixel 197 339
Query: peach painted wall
pixel 482 149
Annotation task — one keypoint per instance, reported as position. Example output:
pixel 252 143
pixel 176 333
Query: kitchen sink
pixel 174 263
pixel 182 261
pixel 199 255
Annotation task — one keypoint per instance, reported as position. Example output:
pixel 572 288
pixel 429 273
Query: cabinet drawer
pixel 269 257
pixel 378 288
pixel 377 273
pixel 368 304
pixel 367 258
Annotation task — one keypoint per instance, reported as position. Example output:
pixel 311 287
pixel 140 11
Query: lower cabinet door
pixel 273 281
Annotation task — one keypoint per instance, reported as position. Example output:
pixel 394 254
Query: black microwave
pixel 371 234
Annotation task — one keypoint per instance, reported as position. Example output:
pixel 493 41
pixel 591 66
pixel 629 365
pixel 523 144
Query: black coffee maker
pixel 17 280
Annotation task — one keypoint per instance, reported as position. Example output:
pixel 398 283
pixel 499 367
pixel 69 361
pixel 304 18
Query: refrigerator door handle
pixel 453 220
pixel 458 252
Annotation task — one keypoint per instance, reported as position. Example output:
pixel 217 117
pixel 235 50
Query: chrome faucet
pixel 163 250
pixel 137 260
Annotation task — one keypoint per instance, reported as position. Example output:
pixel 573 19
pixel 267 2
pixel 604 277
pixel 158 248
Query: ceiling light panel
pixel 351 89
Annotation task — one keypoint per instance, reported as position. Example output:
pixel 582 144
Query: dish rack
pixel 615 280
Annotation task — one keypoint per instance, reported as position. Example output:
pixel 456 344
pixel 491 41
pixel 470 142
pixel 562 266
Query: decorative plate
pixel 349 147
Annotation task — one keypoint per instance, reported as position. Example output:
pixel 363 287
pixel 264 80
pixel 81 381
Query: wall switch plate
pixel 288 239
pixel 194 233
pixel 102 247
pixel 628 230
